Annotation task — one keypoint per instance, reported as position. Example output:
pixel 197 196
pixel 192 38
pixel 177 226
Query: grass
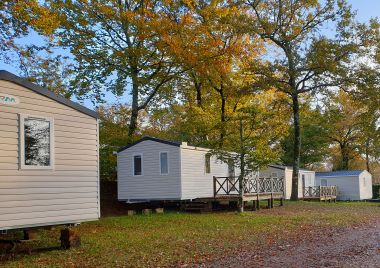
pixel 175 238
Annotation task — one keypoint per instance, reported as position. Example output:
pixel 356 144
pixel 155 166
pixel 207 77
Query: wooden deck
pixel 320 193
pixel 255 189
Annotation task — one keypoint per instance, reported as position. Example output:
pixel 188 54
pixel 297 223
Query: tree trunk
pixel 242 170
pixel 297 147
pixel 135 108
pixel 222 117
pixel 198 88
pixel 345 156
pixel 367 161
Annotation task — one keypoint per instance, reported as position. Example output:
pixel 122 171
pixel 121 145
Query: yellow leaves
pixel 36 15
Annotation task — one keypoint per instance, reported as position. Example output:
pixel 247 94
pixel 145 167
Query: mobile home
pixel 156 169
pixel 306 178
pixel 351 184
pixel 49 159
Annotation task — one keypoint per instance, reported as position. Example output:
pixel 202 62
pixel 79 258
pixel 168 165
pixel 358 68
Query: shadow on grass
pixel 15 249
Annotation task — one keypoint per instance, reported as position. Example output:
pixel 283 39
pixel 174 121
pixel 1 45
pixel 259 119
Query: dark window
pixel 37 142
pixel 231 168
pixel 164 163
pixel 208 163
pixel 137 165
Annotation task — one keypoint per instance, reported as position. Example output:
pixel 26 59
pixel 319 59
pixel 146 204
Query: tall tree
pixel 345 126
pixel 308 60
pixel 315 143
pixel 16 18
pixel 112 135
pixel 116 45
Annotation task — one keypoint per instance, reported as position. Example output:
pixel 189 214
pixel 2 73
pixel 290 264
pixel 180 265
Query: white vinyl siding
pixel 286 173
pixel 196 182
pixel 69 193
pixel 151 185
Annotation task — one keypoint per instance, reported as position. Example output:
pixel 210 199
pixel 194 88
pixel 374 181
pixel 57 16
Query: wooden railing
pixel 318 191
pixel 251 184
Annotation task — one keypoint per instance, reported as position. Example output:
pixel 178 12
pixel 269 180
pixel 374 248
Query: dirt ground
pixel 352 247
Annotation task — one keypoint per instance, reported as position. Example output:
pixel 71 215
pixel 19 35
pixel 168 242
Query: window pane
pixel 137 164
pixel 231 168
pixel 164 163
pixel 37 142
pixel 208 163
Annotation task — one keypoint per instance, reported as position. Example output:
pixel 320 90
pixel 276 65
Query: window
pixel 364 182
pixel 231 168
pixel 274 175
pixel 323 182
pixel 36 142
pixel 164 165
pixel 208 163
pixel 137 165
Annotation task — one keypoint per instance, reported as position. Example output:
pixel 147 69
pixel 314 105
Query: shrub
pixel 376 190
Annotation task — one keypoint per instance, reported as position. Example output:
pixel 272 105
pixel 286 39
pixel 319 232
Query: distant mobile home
pixel 49 159
pixel 351 184
pixel 306 178
pixel 156 169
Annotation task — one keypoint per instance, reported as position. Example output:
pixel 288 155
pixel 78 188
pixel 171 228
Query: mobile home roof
pixel 7 76
pixel 173 143
pixel 342 173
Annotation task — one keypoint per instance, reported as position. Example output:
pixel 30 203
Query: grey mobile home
pixel 155 169
pixel 351 184
pixel 49 163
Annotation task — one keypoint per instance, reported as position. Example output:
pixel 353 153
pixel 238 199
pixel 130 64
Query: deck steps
pixel 197 207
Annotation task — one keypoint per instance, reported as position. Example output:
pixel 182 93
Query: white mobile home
pixel 306 178
pixel 49 163
pixel 155 169
pixel 351 184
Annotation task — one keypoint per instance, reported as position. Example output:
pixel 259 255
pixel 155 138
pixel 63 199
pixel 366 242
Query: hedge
pixel 376 191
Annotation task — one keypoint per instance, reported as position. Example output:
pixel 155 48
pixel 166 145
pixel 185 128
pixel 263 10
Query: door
pixel 303 184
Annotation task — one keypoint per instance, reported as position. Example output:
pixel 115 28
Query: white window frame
pixel 159 159
pixel 133 165
pixel 324 180
pixel 22 142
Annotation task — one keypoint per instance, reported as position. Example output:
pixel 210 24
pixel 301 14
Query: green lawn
pixel 173 238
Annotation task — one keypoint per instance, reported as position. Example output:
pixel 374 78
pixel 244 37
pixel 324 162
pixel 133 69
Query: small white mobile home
pixel 155 169
pixel 49 159
pixel 306 178
pixel 351 184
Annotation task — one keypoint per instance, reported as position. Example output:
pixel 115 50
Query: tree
pixel 315 143
pixel 112 135
pixel 16 17
pixel 117 46
pixel 308 61
pixel 51 72
pixel 247 134
pixel 345 126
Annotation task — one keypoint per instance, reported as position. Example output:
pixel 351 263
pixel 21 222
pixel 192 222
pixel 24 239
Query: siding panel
pixel 68 193
pixel 195 182
pixel 151 185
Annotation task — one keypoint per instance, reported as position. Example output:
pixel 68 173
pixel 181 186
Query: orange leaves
pixel 36 15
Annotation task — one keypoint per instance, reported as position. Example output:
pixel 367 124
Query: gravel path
pixel 355 247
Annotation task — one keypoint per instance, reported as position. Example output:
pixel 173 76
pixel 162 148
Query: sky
pixel 366 9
